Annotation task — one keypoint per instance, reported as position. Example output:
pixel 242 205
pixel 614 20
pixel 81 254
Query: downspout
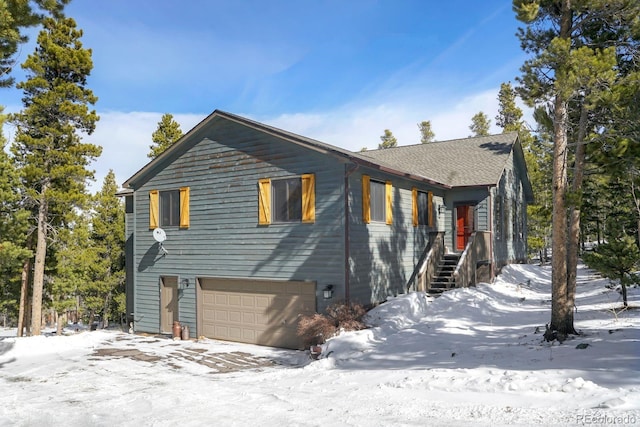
pixel 491 233
pixel 347 251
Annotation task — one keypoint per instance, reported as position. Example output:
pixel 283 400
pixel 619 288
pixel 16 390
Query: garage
pixel 253 311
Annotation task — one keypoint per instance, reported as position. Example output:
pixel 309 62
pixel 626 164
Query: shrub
pixel 317 328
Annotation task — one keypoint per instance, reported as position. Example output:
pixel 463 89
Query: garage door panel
pixel 254 311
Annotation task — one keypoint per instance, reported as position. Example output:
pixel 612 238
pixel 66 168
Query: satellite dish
pixel 159 235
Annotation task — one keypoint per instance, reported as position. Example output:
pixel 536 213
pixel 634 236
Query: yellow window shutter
pixel 366 199
pixel 389 201
pixel 414 206
pixel 430 208
pixel 154 206
pixel 264 201
pixel 308 197
pixel 184 207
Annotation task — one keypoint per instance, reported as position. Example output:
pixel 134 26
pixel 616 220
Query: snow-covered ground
pixel 470 357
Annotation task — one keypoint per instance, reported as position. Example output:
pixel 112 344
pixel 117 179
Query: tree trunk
pixel 105 312
pixel 61 321
pixel 561 310
pixel 38 271
pixel 574 214
pixel 24 295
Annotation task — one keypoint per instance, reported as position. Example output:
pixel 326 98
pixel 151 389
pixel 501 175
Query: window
pixel 169 208
pixel 422 207
pixel 287 200
pixel 376 201
pixel 378 213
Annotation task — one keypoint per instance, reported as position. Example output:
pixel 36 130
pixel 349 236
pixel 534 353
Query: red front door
pixel 464 226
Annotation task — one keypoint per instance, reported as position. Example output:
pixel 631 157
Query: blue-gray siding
pixel 224 239
pixel 383 257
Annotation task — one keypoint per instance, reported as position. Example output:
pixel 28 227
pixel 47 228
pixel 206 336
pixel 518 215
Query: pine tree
pixel 15 16
pixel 167 133
pixel 509 116
pixel 426 133
pixel 617 259
pixel 13 231
pixel 76 264
pixel 480 124
pixel 108 241
pixel 573 46
pixel 388 140
pixel 48 149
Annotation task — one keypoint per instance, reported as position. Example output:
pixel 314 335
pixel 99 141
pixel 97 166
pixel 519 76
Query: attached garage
pixel 254 311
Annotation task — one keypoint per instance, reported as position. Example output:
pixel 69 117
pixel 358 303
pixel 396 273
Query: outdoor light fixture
pixel 184 283
pixel 328 291
pixel 442 209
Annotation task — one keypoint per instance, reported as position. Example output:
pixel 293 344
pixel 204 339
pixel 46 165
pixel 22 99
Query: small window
pixel 287 200
pixel 377 201
pixel 170 208
pixel 423 208
pixel 128 204
pixel 378 205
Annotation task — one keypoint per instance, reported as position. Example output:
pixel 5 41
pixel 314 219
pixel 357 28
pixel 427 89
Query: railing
pixel 427 264
pixel 477 249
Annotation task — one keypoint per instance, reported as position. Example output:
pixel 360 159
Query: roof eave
pixel 308 143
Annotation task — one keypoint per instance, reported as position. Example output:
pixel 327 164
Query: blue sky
pixel 339 71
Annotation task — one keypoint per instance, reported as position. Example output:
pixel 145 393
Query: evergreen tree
pixel 76 264
pixel 617 259
pixel 48 149
pixel 426 133
pixel 573 46
pixel 13 230
pixel 480 124
pixel 167 133
pixel 388 140
pixel 108 241
pixel 509 116
pixel 15 16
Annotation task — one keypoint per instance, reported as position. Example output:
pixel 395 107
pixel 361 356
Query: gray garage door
pixel 254 311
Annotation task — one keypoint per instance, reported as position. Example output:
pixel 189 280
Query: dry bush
pixel 317 328
pixel 347 316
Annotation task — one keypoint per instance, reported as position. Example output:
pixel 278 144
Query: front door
pixel 168 303
pixel 464 225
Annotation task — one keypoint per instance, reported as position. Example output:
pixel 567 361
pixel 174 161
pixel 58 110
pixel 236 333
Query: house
pixel 239 228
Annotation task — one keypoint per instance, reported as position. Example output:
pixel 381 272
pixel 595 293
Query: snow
pixel 472 356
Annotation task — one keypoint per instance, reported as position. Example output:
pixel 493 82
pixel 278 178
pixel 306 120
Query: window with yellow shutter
pixel 422 204
pixel 169 208
pixel 377 201
pixel 287 200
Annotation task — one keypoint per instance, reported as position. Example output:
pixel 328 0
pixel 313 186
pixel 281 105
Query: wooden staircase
pixel 443 278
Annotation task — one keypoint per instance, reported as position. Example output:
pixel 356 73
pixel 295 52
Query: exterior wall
pixel 510 209
pixel 222 167
pixel 382 257
pixel 129 256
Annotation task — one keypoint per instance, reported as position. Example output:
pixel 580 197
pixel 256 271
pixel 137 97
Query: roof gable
pixel 468 162
pixel 191 137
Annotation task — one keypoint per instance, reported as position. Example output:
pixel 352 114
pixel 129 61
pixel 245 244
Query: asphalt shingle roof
pixel 458 162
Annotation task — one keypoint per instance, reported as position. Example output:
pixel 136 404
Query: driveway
pixel 214 357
